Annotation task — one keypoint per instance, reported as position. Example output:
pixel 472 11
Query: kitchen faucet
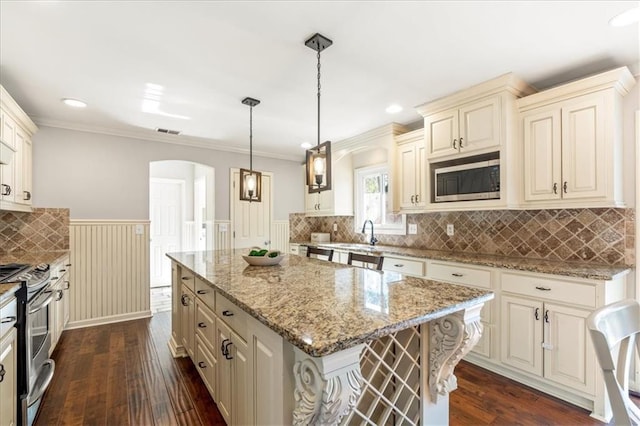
pixel 373 240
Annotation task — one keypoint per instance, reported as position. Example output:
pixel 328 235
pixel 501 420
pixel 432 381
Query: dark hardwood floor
pixel 123 374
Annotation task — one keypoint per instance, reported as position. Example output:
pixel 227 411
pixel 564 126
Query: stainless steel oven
pixel 39 366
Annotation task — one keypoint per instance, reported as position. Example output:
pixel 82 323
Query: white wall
pixel 180 170
pixel 107 177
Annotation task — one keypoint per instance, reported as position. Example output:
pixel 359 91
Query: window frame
pixel 358 205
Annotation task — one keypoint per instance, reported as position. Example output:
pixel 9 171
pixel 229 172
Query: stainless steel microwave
pixel 470 181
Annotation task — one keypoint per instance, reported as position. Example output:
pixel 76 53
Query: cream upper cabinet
pixel 339 200
pixel 471 128
pixel 480 121
pixel 572 143
pixel 16 131
pixel 411 179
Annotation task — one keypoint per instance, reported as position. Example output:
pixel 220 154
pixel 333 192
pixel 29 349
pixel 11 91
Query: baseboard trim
pixel 107 320
pixel 177 351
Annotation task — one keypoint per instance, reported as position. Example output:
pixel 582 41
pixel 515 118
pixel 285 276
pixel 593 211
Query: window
pixel 374 201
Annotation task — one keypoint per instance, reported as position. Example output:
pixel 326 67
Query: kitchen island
pixel 357 345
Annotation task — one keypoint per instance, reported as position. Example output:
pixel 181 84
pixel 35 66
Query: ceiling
pixel 187 65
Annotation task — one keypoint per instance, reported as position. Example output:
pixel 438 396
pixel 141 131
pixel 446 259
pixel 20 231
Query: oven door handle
pixel 42 305
pixel 42 381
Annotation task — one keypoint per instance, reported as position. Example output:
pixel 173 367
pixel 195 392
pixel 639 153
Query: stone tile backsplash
pixel 41 230
pixel 599 235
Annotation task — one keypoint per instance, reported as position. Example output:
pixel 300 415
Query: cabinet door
pixel 583 147
pixel 326 202
pixel 188 319
pixel 479 125
pixel 441 130
pixel 422 168
pixel 25 196
pixel 206 365
pixel 408 175
pixel 542 155
pixel 65 301
pixel 223 376
pixel 569 357
pixel 521 338
pixel 266 349
pixel 7 171
pixel 240 389
pixel 8 381
pixel 176 305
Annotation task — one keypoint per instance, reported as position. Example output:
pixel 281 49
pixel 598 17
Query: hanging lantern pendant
pixel 318 159
pixel 250 180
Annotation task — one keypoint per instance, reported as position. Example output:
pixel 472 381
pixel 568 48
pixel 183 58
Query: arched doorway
pixel 181 212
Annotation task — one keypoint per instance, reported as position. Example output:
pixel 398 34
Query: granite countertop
pixel 323 307
pixel 33 258
pixel 568 269
pixel 7 289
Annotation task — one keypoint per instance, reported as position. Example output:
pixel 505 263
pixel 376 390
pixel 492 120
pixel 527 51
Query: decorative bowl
pixel 263 260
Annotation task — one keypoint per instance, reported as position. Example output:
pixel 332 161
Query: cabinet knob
pixel 455 141
pixel 202 365
pixel 227 313
pixel 202 325
pixel 555 187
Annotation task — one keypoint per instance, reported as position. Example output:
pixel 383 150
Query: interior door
pixel 251 221
pixel 165 210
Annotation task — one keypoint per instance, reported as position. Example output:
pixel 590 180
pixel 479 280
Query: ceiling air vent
pixel 167 131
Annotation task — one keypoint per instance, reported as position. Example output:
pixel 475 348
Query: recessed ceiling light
pixel 74 103
pixel 393 108
pixel 628 17
pixel 305 145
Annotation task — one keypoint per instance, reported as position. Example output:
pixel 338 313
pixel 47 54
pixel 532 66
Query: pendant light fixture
pixel 250 180
pixel 319 157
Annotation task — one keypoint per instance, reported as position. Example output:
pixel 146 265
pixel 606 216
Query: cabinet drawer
pixel 235 317
pixel 206 293
pixel 205 324
pixel 8 315
pixel 187 278
pixel 206 365
pixel 404 266
pixel 459 274
pixel 571 292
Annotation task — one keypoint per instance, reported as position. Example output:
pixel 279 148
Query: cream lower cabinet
pixel 187 320
pixel 550 341
pixel 544 338
pixel 471 276
pixel 59 307
pixel 8 362
pixel 239 359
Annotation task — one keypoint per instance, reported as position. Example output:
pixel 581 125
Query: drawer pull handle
pixel 54 278
pixel 223 347
pixel 68 285
pixel 399 265
pixel 186 278
pixel 2 373
pixel 63 270
pixel 227 313
pixel 184 300
pixel 546 316
pixel 456 274
pixel 202 291
pixel 67 265
pixel 6 320
pixel 543 288
pixel 202 365
pixel 537 314
pixel 202 325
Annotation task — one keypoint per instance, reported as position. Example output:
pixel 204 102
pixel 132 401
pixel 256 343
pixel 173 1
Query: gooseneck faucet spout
pixel 373 239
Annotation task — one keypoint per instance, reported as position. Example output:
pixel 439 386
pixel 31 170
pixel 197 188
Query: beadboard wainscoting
pixel 110 271
pixel 280 235
pixel 222 234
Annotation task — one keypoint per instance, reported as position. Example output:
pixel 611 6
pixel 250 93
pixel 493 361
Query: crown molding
pixel 150 136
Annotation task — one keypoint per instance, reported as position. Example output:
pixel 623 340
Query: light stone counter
pixel 7 290
pixel 34 258
pixel 569 269
pixel 323 307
